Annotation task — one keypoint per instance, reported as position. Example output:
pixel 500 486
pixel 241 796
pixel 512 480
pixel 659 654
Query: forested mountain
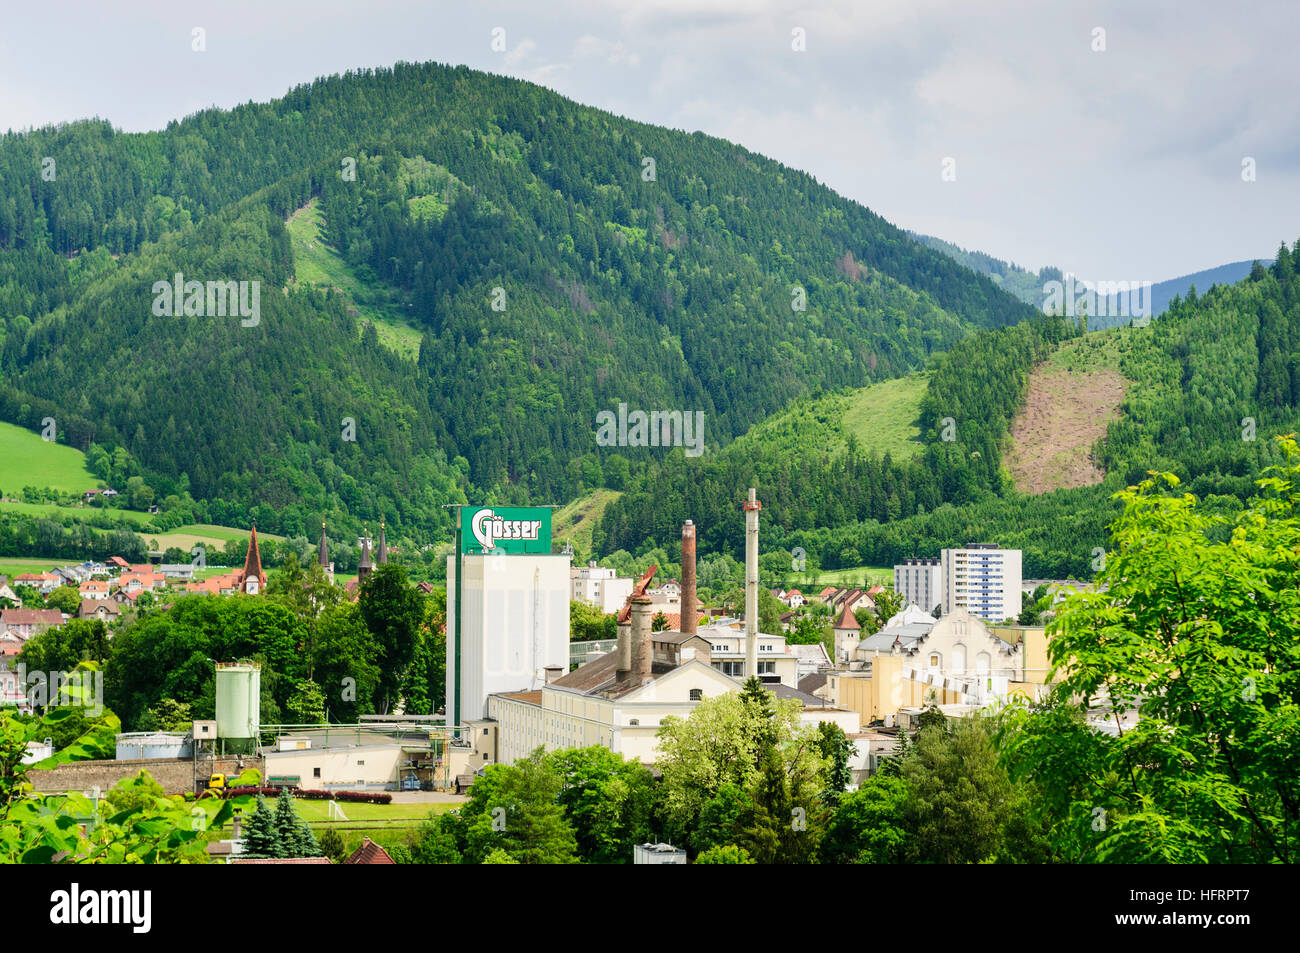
pixel 559 259
pixel 1164 292
pixel 1213 382
pixel 1012 278
pixel 1028 286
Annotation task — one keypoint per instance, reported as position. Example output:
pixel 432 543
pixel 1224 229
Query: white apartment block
pixel 599 587
pixel 920 583
pixel 982 579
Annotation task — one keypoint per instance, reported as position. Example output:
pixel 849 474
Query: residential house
pixel 137 582
pixel 101 610
pixel 369 853
pixel 94 589
pixel 26 623
pixel 42 582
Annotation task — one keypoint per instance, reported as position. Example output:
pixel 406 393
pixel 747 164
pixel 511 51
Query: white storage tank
pixel 239 699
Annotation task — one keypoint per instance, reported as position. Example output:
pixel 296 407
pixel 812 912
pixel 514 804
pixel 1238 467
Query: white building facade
pixel 920 582
pixel 982 579
pixel 600 587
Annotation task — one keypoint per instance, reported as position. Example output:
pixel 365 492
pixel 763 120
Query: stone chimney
pixel 642 649
pixel 690 604
pixel 553 672
pixel 624 646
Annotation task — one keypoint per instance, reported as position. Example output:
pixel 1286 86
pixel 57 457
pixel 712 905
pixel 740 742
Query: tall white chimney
pixel 752 506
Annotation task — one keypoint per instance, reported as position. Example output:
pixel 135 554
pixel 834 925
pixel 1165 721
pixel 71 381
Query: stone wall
pixel 176 775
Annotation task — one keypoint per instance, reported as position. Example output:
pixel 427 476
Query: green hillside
pixel 28 460
pixel 575 521
pixel 884 418
pixel 316 263
pixel 548 281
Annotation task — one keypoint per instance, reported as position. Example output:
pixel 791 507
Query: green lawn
pixel 210 536
pixel 28 460
pixel 17 565
pixel 316 813
pixel 316 263
pixel 77 512
pixel 875 575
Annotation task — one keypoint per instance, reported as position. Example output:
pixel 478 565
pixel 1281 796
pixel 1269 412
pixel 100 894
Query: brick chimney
pixel 690 604
pixel 642 649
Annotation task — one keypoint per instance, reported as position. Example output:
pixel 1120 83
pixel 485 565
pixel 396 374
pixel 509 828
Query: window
pixel 767 668
pixel 315 772
pixel 360 763
pixel 485 731
pixel 634 721
pixel 934 659
pixel 697 695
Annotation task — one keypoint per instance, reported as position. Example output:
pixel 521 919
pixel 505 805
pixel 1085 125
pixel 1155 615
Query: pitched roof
pixel 369 853
pixel 323 553
pixel 91 606
pixel 31 617
pixel 847 621
pixel 785 692
pixel 381 556
pixel 810 683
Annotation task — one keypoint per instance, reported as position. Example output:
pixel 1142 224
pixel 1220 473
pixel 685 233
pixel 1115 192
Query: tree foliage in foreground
pixel 1196 629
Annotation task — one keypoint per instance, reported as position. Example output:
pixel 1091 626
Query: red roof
pixel 847 621
pixel 369 853
pixel 31 617
pixel 119 561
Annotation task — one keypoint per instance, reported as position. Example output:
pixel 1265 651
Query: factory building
pixel 507 607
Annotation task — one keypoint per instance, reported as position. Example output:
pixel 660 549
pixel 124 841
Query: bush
pixel 725 854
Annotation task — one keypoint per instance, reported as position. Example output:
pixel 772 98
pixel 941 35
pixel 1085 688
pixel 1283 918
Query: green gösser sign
pixel 505 529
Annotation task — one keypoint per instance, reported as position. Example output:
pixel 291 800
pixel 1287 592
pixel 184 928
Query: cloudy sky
pixel 1117 155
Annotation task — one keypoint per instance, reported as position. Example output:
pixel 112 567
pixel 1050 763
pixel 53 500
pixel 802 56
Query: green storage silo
pixel 239 699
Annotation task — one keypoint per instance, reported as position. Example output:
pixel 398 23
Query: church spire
pixel 323 556
pixel 251 581
pixel 366 565
pixel 383 545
